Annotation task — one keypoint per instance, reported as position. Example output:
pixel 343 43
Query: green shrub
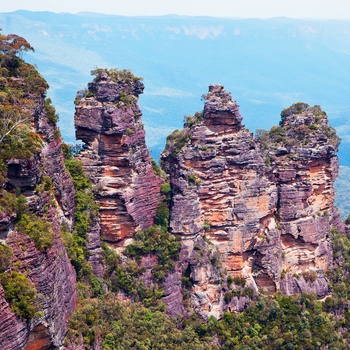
pixel 177 140
pixel 21 143
pixel 310 276
pixel 156 240
pixel 85 214
pixel 39 230
pixel 77 253
pixel 76 170
pixel 193 180
pixel 248 292
pixel 57 134
pixel 206 225
pixel 128 100
pixel 47 183
pixel 89 94
pixel 229 280
pixel 19 293
pixel 277 134
pixel 165 188
pixel 191 121
pixel 50 111
pixel 347 220
pixel 162 214
pixel 314 127
pixel 129 132
pixel 66 151
pixel 239 281
pixel 6 254
pixel 156 168
pixel 11 203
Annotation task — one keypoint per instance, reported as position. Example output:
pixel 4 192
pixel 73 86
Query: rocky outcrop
pixel 108 121
pixel 54 279
pixel 301 153
pixel 266 203
pixel 49 192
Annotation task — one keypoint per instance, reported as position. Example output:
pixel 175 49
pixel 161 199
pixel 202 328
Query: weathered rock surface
pixel 54 278
pixel 266 204
pixel 48 269
pixel 108 121
pixel 13 332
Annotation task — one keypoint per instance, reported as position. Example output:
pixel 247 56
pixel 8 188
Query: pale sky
pixel 333 9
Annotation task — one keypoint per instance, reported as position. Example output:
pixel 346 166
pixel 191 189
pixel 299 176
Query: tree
pixel 11 48
pixel 13 45
pixel 10 118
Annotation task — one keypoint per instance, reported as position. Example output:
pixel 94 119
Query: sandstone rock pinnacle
pixel 108 121
pixel 265 204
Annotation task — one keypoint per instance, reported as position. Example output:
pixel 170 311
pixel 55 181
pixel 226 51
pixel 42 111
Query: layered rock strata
pixel 49 270
pixel 266 204
pixel 108 121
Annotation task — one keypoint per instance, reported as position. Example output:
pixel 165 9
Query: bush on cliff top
pixel 177 140
pixel 115 75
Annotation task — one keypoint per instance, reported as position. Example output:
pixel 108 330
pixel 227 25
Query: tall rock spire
pixel 265 204
pixel 108 121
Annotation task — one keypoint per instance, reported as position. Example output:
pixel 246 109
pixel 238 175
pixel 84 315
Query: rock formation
pixel 254 214
pixel 41 178
pixel 108 121
pixel 266 204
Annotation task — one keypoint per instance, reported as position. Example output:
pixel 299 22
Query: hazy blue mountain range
pixel 266 64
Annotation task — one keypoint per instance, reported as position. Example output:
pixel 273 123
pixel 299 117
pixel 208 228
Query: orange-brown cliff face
pixel 265 204
pixel 108 121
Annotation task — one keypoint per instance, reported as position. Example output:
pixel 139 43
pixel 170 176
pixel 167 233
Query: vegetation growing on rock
pixel 129 326
pixel 38 229
pixel 20 293
pixel 177 140
pixel 85 214
pixel 115 75
pixel 280 322
pixel 35 275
